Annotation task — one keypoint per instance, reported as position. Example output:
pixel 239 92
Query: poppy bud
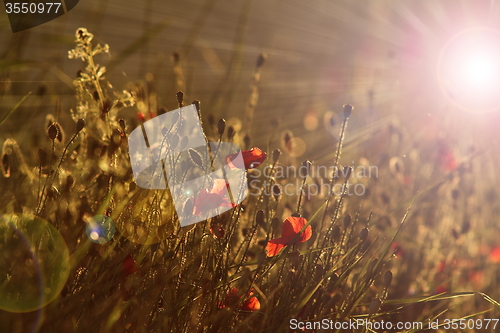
pixel 276 155
pixel 211 119
pixel 276 191
pixel 161 110
pixel 80 124
pixel 246 141
pixel 347 221
pixel 180 98
pixel 261 59
pixel 305 168
pixel 197 106
pixel 195 157
pixel 175 57
pixel 363 235
pixel 347 172
pixel 387 279
pixel 347 110
pixel 221 126
pixel 336 233
pixel 52 131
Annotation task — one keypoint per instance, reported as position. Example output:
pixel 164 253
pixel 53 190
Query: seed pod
pixel 221 126
pixel 363 235
pixel 276 155
pixel 188 208
pixel 347 221
pixel 52 131
pixel 261 59
pixel 387 279
pixel 80 124
pixel 195 157
pixel 305 168
pixel 106 106
pixel 336 233
pixel 347 110
pixel 95 95
pixel 180 98
pixel 276 191
pixel 374 306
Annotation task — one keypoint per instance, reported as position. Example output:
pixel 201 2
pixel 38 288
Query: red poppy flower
pixel 290 228
pixel 446 157
pixel 129 266
pixel 217 230
pixel 251 158
pixel 141 116
pixel 494 255
pixel 217 197
pixel 232 298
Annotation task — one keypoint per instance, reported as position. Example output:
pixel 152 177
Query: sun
pixel 469 69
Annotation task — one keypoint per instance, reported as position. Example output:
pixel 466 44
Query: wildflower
pixel 290 228
pixel 494 255
pixel 232 299
pixel 129 266
pixel 217 230
pixel 251 158
pixel 206 201
pixel 141 116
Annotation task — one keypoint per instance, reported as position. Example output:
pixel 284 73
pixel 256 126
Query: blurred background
pixel 425 109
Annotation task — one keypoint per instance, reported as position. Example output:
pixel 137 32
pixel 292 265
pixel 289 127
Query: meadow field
pixel 369 136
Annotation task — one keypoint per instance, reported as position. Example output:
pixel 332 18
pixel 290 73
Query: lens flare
pixel 469 70
pixel 34 263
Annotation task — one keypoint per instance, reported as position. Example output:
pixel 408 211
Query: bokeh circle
pixel 34 263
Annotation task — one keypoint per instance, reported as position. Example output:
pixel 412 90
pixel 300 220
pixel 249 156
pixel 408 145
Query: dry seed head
pixel 387 279
pixel 347 110
pixel 221 126
pixel 80 124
